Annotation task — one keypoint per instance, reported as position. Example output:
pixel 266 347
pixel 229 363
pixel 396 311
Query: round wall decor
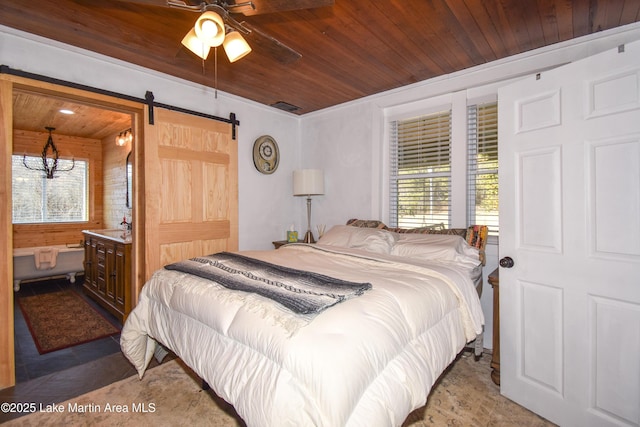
pixel 266 154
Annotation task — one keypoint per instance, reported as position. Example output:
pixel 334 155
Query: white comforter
pixel 368 361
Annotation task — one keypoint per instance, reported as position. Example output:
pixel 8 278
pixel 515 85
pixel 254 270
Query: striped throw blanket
pixel 302 292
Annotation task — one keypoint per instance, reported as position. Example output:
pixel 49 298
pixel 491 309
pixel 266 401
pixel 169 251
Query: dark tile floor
pixel 61 375
pixel 29 363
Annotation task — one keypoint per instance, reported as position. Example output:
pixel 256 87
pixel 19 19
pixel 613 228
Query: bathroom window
pixel 38 200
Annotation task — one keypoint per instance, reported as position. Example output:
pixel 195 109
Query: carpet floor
pixel 63 319
pixel 170 395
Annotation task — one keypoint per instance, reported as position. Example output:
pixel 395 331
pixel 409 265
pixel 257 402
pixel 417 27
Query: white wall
pixel 266 204
pixel 339 143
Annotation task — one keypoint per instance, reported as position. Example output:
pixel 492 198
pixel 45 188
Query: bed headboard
pixel 475 235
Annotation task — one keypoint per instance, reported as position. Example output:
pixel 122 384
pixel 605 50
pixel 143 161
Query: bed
pixel 398 309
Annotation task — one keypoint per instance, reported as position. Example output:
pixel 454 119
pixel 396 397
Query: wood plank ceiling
pixel 35 112
pixel 351 49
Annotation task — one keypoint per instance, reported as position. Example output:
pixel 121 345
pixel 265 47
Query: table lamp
pixel 308 182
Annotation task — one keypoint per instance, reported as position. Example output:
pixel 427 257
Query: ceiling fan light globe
pixel 235 46
pixel 210 29
pixel 195 45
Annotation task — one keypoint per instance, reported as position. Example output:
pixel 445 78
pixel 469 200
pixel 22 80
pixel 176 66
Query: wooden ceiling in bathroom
pixel 35 112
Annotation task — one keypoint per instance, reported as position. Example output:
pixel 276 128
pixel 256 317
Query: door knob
pixel 506 262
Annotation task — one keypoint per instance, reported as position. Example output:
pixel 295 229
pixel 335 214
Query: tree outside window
pixel 39 200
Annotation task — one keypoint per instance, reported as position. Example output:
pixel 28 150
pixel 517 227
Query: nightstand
pixel 279 243
pixel 494 280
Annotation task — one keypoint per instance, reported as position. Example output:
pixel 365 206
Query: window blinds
pixel 482 170
pixel 420 184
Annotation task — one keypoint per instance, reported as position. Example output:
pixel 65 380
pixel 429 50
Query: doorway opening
pixel 89 134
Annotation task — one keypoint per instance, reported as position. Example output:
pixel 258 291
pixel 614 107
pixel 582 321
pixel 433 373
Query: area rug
pixel 63 319
pixel 170 395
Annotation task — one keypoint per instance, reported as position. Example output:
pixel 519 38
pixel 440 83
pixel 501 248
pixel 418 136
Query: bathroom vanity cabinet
pixel 107 273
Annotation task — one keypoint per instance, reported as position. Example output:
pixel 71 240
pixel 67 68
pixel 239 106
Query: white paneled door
pixel 570 222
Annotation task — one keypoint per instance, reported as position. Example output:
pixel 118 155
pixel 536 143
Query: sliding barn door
pixel 7 361
pixel 570 221
pixel 190 188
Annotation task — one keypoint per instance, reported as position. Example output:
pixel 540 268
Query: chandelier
pixel 49 164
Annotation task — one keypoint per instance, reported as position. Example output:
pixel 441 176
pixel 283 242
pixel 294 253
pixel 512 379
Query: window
pixel 40 200
pixel 420 187
pixel 482 166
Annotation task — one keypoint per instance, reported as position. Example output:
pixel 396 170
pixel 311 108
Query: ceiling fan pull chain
pixel 215 71
pixel 203 57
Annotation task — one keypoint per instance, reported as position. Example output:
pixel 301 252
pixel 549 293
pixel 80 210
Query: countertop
pixel 114 234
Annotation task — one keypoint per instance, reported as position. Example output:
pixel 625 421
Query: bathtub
pixel 69 262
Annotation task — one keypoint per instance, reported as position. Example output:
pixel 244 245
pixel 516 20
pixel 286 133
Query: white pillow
pixel 337 235
pixel 367 239
pixel 372 240
pixel 440 247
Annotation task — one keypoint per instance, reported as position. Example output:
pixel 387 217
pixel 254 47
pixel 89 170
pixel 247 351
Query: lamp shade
pixel 195 45
pixel 210 29
pixel 308 182
pixel 235 46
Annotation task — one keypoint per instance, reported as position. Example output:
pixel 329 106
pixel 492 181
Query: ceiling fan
pixel 216 26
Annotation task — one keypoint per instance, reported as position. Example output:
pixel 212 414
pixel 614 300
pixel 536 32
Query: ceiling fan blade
pixel 192 5
pixel 245 7
pixel 273 6
pixel 162 3
pixel 266 44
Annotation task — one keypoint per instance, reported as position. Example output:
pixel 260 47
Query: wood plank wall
pixel 29 235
